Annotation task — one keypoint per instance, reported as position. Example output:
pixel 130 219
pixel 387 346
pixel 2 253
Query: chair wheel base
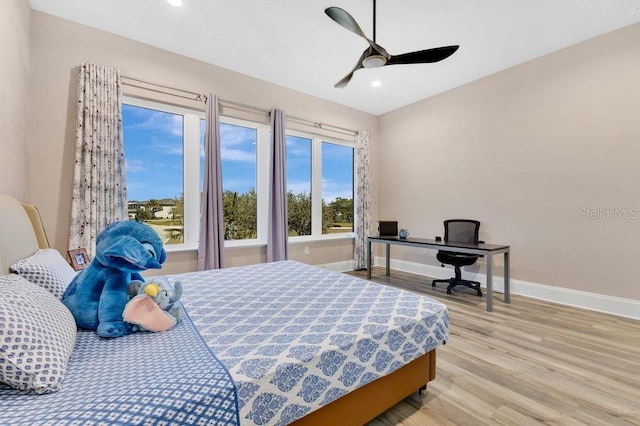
pixel 453 282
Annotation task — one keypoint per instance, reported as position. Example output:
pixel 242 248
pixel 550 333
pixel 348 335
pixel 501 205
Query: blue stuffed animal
pixel 98 294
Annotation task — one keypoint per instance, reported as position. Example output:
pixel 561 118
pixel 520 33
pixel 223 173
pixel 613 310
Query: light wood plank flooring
pixel 530 362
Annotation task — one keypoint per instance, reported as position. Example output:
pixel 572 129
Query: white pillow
pixel 48 269
pixel 37 335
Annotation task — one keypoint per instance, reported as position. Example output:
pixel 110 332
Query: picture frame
pixel 79 259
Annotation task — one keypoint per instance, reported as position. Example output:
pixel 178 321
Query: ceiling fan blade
pixel 343 18
pixel 347 78
pixel 423 56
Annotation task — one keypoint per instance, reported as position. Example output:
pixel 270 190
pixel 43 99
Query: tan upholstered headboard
pixel 21 232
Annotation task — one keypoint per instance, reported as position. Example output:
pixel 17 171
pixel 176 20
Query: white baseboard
pixel 627 308
pixel 343 266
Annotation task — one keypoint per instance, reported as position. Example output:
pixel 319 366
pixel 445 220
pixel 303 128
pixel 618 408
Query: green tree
pixel 327 217
pixel 240 215
pixel 342 210
pixel 142 215
pixel 178 209
pixel 153 206
pixel 299 206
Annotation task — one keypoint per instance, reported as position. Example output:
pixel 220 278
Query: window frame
pixel 262 180
pixel 192 172
pixel 316 185
pixel 352 145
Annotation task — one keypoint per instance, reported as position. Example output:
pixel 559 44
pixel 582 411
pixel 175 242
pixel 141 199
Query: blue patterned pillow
pixel 37 335
pixel 48 269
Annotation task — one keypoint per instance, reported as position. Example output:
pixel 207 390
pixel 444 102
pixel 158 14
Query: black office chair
pixel 464 231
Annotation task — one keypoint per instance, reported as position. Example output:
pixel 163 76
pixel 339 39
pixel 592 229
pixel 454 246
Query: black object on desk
pixel 387 228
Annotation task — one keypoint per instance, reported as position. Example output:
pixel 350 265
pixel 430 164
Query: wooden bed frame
pixel 373 399
pixel 354 408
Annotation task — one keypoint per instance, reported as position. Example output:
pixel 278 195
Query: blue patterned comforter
pixel 296 337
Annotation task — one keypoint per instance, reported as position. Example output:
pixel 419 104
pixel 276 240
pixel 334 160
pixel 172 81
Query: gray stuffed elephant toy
pixel 153 306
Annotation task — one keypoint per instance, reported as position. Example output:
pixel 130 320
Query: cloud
pixel 298 187
pixel 330 196
pixel 160 145
pixel 333 189
pixel 238 185
pixel 232 135
pixel 237 155
pixel 153 131
pixel 135 166
pixel 151 120
pixel 298 147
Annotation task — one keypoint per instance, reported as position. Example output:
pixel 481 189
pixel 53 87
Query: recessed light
pixel 175 3
pixel 376 83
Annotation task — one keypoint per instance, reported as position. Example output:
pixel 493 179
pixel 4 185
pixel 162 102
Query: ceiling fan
pixel 376 56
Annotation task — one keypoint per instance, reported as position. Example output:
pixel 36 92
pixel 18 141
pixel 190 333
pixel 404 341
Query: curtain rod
pixel 195 96
pixel 323 126
pixel 305 121
pixel 250 108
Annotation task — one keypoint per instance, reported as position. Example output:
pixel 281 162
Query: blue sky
pixel 153 152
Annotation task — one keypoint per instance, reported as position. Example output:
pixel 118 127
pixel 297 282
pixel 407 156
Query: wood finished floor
pixel 527 363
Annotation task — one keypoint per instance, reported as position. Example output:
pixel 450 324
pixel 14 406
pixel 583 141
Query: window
pixel 319 185
pixel 162 169
pixel 164 151
pixel 337 188
pixel 299 185
pixel 238 155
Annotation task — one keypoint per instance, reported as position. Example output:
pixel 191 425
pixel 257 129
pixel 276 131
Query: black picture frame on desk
pixel 79 259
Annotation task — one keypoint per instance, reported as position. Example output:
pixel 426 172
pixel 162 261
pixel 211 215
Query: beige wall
pixel 523 151
pixel 15 21
pixel 59 46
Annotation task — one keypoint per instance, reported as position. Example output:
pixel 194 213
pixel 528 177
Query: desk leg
pixel 489 260
pixel 507 288
pixel 368 254
pixel 388 259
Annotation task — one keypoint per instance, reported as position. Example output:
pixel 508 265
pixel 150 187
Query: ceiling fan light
pixel 374 61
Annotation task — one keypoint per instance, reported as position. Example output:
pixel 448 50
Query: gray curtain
pixel 211 246
pixel 278 231
pixel 99 188
pixel 362 219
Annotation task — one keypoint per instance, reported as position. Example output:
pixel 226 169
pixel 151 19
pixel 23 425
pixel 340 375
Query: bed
pixel 275 343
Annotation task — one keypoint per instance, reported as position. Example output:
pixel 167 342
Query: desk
pixel 486 250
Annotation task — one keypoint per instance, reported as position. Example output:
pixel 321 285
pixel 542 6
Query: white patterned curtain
pixel 362 219
pixel 99 190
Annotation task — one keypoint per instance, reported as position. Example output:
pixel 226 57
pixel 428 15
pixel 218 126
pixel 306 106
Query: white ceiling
pixel 294 44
